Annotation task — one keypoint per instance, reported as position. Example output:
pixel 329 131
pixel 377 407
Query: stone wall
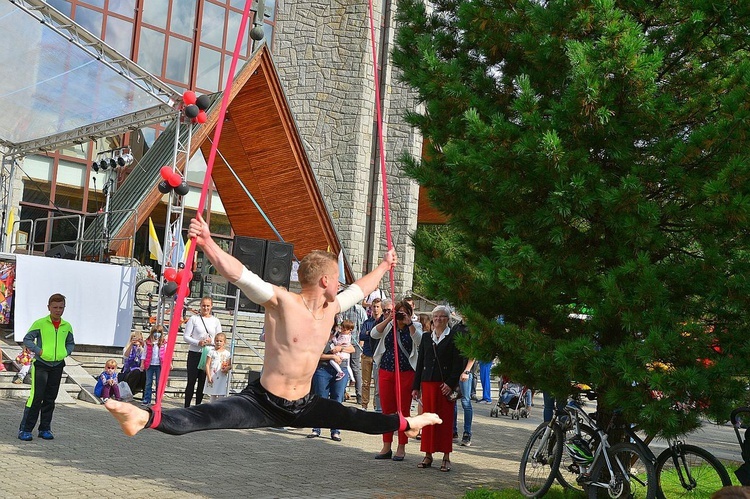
pixel 323 55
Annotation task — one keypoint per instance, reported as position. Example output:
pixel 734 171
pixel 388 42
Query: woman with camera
pixel 408 337
pixel 437 374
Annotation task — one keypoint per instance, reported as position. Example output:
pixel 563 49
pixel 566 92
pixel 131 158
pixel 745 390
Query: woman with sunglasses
pixel 390 387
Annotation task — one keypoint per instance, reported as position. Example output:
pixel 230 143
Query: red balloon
pixel 189 97
pixel 166 172
pixel 184 275
pixel 174 179
pixel 201 118
pixel 170 274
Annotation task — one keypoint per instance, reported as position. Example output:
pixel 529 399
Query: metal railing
pixel 36 231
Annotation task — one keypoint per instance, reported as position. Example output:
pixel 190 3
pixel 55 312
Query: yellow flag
pixel 187 250
pixel 154 247
pixel 11 219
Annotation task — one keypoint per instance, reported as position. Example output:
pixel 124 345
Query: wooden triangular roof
pixel 261 143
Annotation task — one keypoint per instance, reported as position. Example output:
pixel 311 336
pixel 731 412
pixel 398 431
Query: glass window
pixel 270 10
pixel 228 64
pixel 95 3
pixel 216 205
pixel 220 224
pixel 76 151
pixel 90 19
pixel 155 12
pixel 38 167
pixel 149 136
pixel 233 27
pixel 151 51
pixel 69 173
pixel 209 64
pixel 37 238
pixel 69 198
pixel 61 5
pixel 64 229
pixel 268 34
pixel 124 7
pixel 36 192
pixel 182 21
pixel 196 170
pixel 179 56
pixel 120 35
pixel 212 24
pixel 190 200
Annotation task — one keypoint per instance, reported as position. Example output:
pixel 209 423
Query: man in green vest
pixel 51 340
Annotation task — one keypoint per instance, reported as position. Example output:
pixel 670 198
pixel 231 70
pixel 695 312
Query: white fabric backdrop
pixel 99 297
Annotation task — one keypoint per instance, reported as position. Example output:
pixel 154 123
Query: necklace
pixel 310 310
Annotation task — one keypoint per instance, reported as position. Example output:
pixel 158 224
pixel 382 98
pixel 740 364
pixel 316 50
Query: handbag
pixel 204 357
pixel 455 394
pixel 204 352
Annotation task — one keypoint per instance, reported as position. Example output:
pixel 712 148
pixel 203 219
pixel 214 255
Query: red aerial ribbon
pixel 386 204
pixel 183 289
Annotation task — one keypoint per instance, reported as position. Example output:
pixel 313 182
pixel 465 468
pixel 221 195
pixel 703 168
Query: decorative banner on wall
pixel 7 277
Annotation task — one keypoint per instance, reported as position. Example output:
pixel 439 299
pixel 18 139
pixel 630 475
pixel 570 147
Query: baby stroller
pixel 511 401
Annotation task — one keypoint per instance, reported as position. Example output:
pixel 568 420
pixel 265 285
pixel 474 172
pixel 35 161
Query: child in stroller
pixel 514 400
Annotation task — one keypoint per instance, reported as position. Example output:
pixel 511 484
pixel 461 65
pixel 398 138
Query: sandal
pixel 446 466
pixel 426 463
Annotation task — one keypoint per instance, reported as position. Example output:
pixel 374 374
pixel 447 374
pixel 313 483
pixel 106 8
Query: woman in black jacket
pixel 438 370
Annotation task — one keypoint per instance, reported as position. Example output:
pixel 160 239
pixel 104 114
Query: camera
pixel 400 315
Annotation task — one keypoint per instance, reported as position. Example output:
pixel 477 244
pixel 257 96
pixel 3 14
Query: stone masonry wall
pixel 323 56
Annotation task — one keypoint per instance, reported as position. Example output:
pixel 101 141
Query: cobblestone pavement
pixel 90 457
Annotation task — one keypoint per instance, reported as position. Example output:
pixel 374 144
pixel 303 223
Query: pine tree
pixel 593 158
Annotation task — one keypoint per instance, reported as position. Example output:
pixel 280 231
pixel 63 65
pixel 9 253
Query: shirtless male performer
pixel 297 328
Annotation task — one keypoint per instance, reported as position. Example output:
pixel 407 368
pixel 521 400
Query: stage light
pixel 127 159
pixel 95 167
pixel 112 163
pixel 103 165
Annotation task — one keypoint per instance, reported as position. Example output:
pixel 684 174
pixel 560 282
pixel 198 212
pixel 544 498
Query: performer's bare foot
pixel 132 419
pixel 416 423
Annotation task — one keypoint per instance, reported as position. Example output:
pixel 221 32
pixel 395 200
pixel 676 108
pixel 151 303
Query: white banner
pixel 99 297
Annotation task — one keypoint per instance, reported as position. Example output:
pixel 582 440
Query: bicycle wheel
pixel 147 294
pixel 569 471
pixel 634 475
pixel 697 473
pixel 540 460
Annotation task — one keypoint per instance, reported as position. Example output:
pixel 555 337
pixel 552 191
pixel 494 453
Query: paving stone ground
pixel 90 457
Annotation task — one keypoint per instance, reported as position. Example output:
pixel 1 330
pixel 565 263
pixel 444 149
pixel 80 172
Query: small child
pixel 24 358
pixel 343 339
pixel 106 384
pixel 155 348
pixel 218 365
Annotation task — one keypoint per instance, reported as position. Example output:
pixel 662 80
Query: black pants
pixel 194 374
pixel 45 383
pixel 254 407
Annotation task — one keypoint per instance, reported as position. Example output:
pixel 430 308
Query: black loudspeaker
pixel 252 253
pixel 61 251
pixel 278 267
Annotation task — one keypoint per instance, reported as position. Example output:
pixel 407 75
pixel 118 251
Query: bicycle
pixel 686 470
pixel 147 299
pixel 682 469
pixel 622 470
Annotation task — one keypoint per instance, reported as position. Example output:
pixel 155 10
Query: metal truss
pixel 108 128
pixel 108 56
